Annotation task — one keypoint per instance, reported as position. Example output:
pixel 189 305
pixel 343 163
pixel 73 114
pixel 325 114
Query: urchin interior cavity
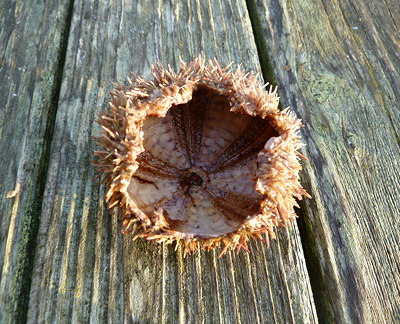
pixel 199 166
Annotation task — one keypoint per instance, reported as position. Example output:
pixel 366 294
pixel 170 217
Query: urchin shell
pixel 201 158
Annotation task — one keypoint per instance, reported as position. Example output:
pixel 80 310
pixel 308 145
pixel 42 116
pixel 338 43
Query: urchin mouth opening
pixel 199 166
pixel 193 177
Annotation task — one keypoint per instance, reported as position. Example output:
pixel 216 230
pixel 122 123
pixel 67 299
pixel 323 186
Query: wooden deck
pixel 62 257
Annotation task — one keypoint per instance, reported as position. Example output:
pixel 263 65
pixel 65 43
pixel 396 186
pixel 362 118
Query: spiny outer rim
pixel 121 141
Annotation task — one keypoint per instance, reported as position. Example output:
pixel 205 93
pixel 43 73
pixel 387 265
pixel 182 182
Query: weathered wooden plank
pixel 30 54
pixel 337 64
pixel 84 270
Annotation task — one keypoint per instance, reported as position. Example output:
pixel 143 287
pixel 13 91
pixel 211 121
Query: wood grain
pixel 30 56
pixel 84 270
pixel 338 66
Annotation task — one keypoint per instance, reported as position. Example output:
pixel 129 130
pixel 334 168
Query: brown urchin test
pixel 200 158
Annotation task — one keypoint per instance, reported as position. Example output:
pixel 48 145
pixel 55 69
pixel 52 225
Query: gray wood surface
pixel 62 256
pixel 30 55
pixel 338 66
pixel 84 270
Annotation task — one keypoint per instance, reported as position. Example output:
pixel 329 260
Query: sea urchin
pixel 201 158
